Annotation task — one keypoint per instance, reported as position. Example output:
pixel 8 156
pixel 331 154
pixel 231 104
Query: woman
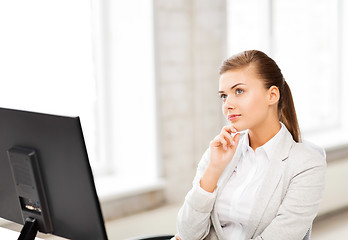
pixel 256 180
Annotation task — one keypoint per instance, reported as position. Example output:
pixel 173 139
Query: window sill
pixel 4 222
pixel 333 140
pixel 114 187
pixel 339 152
pixel 122 196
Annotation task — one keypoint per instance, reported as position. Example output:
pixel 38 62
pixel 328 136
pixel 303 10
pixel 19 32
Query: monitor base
pixel 29 229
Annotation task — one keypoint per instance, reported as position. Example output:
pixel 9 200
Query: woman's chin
pixel 239 127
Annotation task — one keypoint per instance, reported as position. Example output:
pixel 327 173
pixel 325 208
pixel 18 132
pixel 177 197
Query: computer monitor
pixel 46 182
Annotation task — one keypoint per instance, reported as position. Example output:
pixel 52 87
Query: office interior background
pixel 143 77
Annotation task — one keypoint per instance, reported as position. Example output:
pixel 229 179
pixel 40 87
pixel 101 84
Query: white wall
pixel 190 45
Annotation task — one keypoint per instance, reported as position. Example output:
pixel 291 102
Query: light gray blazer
pixel 286 205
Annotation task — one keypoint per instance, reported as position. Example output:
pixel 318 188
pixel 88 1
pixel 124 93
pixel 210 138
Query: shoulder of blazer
pixel 302 158
pixel 303 152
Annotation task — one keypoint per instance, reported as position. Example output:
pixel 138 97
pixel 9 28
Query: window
pixel 126 88
pixel 46 60
pixel 306 38
pixel 88 58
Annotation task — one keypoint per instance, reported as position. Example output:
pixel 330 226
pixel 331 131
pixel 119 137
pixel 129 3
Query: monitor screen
pixel 45 175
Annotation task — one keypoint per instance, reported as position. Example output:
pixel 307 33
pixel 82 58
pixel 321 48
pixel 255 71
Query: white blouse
pixel 235 201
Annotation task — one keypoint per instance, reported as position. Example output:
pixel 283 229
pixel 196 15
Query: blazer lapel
pixel 270 182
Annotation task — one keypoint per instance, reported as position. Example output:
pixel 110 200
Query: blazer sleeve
pixel 301 202
pixel 194 220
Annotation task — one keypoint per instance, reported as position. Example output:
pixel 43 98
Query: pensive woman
pixel 257 179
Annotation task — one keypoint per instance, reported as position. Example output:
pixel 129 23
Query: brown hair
pixel 269 71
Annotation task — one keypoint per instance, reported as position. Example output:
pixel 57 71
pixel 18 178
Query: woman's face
pixel 245 100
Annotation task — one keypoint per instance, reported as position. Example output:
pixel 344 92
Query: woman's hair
pixel 268 71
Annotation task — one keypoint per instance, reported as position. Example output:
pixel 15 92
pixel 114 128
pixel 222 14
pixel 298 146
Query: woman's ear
pixel 273 95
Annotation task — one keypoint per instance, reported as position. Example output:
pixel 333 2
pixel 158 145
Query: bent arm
pixel 194 216
pixel 193 220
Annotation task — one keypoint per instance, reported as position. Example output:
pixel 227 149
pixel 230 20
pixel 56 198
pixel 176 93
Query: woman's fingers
pixel 229 133
pixel 236 139
pixel 226 139
pixel 229 129
pixel 219 141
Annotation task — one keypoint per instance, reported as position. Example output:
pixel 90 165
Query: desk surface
pixel 10 234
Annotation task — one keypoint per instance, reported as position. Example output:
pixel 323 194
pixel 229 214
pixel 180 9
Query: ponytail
pixel 271 74
pixel 287 113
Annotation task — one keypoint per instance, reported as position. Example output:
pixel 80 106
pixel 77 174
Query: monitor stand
pixel 29 229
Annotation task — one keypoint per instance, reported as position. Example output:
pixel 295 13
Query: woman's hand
pixel 222 149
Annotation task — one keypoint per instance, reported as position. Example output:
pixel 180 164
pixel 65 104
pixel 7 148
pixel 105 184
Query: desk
pixel 10 234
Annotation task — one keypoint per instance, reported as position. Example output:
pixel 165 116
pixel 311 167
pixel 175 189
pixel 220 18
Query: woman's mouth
pixel 233 117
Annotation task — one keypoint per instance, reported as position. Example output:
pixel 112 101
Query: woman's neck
pixel 262 134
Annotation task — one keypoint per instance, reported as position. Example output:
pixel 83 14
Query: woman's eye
pixel 223 96
pixel 239 91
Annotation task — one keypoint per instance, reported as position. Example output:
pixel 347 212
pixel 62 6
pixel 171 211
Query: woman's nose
pixel 229 103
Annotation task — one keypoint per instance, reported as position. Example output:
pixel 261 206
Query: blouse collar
pixel 269 146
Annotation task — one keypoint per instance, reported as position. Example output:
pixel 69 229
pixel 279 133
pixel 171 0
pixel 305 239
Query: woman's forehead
pixel 244 76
